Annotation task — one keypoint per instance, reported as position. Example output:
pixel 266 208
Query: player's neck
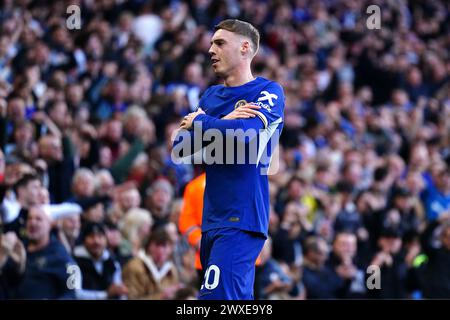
pixel 238 78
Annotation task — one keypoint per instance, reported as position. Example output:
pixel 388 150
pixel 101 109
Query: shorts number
pixel 215 283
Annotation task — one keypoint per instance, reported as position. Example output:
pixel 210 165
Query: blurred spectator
pixel 27 192
pixel 183 256
pixel 344 261
pixel 435 278
pixel 83 183
pixel 69 230
pixel 57 154
pixel 289 238
pixel 272 282
pixel 12 263
pixel 157 201
pixel 319 280
pixel 100 271
pixel 393 268
pixel 405 217
pixel 152 274
pixel 437 195
pixel 116 244
pixel 136 228
pixel 190 220
pixel 348 218
pixel 45 275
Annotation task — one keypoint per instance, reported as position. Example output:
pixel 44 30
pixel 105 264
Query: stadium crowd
pixel 88 185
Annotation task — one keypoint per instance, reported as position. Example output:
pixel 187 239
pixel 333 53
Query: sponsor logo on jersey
pixel 269 97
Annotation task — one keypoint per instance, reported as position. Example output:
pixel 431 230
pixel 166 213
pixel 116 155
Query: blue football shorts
pixel 228 257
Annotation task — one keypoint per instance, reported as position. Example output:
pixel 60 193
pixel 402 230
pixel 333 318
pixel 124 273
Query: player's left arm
pixel 271 100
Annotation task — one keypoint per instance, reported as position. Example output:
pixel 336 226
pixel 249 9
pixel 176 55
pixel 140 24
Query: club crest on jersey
pixel 268 96
pixel 240 103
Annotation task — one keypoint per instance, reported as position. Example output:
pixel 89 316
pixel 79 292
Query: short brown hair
pixel 159 236
pixel 242 28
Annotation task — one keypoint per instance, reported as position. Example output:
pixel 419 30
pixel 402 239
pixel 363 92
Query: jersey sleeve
pixel 184 143
pixel 271 100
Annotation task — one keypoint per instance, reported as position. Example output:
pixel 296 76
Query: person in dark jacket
pixel 320 281
pixel 344 262
pixel 57 153
pixel 393 268
pixel 272 281
pixel 292 232
pixel 12 261
pixel 435 282
pixel 100 271
pixel 401 213
pixel 47 271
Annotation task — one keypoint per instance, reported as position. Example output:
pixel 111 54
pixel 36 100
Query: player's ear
pixel 245 47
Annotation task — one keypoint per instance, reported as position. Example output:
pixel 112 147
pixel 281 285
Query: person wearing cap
pixel 393 268
pixel 100 271
pixel 403 201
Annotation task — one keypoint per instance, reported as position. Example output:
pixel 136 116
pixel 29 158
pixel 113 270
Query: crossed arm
pixel 244 118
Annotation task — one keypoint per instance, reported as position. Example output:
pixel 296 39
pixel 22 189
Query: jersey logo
pixel 240 103
pixel 268 96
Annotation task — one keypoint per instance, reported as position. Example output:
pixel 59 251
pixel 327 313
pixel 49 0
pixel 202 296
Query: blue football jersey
pixel 237 195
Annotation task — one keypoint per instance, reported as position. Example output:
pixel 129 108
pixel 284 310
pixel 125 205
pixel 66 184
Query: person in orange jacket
pixel 190 220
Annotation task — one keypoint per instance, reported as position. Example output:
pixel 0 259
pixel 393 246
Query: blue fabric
pixel 46 274
pixel 435 202
pixel 237 195
pixel 228 256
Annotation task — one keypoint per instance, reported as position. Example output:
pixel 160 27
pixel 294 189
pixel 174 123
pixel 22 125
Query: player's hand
pixel 187 120
pixel 243 112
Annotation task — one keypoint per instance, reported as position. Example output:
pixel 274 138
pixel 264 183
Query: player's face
pixel 225 52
